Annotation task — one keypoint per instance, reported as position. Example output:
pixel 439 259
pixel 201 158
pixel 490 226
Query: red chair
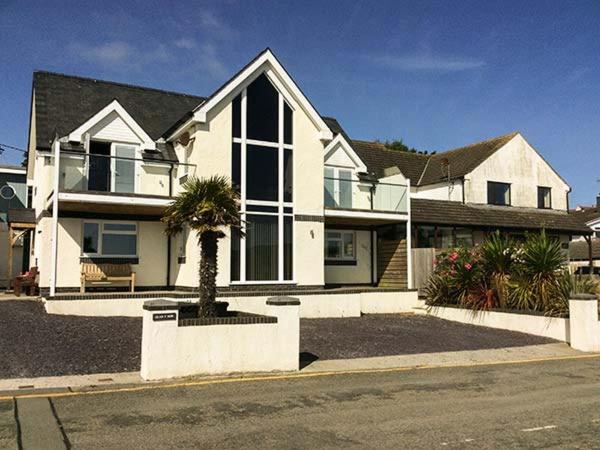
pixel 27 280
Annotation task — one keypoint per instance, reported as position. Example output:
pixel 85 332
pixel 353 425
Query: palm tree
pixel 206 206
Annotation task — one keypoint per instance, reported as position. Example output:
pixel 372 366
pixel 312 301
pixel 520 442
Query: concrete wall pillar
pixel 583 323
pixel 287 311
pixel 159 337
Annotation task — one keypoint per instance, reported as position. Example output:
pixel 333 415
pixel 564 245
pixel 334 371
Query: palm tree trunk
pixel 208 274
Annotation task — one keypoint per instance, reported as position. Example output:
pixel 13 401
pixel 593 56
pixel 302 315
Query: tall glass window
pixel 262 171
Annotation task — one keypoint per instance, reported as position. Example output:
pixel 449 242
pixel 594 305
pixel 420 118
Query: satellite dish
pixel 184 139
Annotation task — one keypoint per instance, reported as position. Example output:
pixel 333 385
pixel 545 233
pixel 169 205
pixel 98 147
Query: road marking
pixel 546 427
pixel 286 377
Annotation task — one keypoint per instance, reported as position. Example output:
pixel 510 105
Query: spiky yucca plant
pixel 497 256
pixel 539 275
pixel 206 206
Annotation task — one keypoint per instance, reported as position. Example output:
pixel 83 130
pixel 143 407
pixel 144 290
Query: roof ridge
pixel 464 147
pixel 116 83
pixel 428 155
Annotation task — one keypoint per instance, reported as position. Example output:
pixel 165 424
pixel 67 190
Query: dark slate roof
pixel 579 251
pixel 63 102
pixel 463 160
pixel 507 217
pixel 378 158
pixel 21 215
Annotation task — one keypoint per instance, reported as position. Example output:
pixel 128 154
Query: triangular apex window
pixel 262 113
pixel 262 172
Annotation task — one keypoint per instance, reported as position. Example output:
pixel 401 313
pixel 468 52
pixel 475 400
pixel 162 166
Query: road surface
pixel 544 404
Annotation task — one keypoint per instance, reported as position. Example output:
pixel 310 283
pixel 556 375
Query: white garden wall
pixel 311 305
pixel 550 327
pixel 171 350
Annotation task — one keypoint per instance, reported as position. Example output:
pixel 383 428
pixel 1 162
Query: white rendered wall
pixel 550 327
pixel 361 272
pixel 311 305
pixel 520 165
pixel 169 350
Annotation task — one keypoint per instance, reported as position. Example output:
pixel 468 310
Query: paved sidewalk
pixel 18 386
pixel 467 357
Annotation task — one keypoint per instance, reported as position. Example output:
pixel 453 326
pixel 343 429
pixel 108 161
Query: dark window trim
pixel 540 204
pixel 509 193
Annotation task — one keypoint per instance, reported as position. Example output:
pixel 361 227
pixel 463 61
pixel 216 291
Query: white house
pixel 320 209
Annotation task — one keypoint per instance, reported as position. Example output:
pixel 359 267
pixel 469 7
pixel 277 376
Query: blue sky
pixel 437 74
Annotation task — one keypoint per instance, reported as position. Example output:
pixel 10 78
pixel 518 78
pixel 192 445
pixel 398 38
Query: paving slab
pixel 39 426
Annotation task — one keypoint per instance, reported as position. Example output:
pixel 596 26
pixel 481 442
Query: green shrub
pixel 539 280
pixel 503 273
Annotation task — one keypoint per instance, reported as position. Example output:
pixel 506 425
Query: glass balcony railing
pixel 83 172
pixel 350 194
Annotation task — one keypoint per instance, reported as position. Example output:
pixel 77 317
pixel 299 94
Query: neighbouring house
pixel 584 251
pixel 459 196
pixel 320 209
pixel 14 242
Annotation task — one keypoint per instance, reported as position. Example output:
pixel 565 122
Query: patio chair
pixel 26 281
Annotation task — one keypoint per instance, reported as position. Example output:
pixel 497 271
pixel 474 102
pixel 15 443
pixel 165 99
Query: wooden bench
pixel 106 272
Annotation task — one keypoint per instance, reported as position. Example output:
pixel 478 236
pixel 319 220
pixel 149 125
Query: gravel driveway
pixel 392 334
pixel 36 344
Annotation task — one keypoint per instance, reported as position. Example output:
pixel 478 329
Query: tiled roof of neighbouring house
pixel 461 161
pixel 422 169
pixel 377 158
pixel 64 102
pixel 579 250
pixel 587 213
pixel 441 212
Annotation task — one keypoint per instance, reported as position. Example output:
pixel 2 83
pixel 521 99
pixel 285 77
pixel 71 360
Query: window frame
pixel 499 183
pixel 547 189
pixel 113 158
pixel 342 257
pixel 284 208
pixel 336 180
pixel 101 232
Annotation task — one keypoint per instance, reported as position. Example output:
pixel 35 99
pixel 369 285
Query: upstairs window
pixel 544 197
pixel 498 193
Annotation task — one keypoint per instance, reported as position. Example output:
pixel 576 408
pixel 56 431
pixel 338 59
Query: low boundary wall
pixel 539 325
pixel 311 305
pixel 177 348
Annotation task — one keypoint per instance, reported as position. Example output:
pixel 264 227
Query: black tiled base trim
pixel 242 320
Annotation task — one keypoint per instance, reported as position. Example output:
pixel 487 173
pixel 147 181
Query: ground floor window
pixel 109 239
pixel 430 236
pixel 340 245
pixel 266 251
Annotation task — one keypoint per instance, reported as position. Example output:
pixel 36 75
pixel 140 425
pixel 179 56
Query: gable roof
pixel 64 102
pixel 265 62
pixel 423 169
pixel 462 160
pixel 378 158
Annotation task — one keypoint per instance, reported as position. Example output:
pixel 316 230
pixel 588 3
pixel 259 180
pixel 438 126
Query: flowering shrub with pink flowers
pixel 502 273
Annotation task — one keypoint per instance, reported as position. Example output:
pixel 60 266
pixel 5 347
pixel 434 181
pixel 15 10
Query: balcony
pixel 114 183
pixel 350 198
